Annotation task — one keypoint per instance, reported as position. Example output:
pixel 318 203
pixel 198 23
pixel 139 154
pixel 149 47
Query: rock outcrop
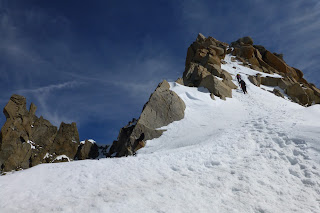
pixel 203 66
pixel 88 149
pixel 26 140
pixel 164 107
pixel 292 82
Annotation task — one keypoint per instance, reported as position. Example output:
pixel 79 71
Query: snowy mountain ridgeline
pixel 200 145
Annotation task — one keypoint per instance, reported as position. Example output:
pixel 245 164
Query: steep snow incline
pixel 252 153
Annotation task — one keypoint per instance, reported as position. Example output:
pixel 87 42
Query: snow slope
pixel 252 153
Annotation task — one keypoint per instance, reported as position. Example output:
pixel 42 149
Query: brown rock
pixel 277 93
pixel 236 51
pixel 265 70
pixel 241 59
pixel 213 60
pixel 258 77
pixel 255 67
pixel 16 107
pixel 217 87
pixel 163 107
pixel 87 150
pixel 209 42
pixel 276 62
pixel 201 38
pixel 253 79
pixel 179 81
pixel 255 63
pixel 43 135
pixel 66 141
pixel 315 89
pixel 269 81
pixel 200 56
pixel 279 55
pixel 139 143
pixel 220 51
pixel 311 96
pixel 284 83
pixel 262 50
pixel 212 96
pixel 257 54
pixel 246 40
pixel 212 51
pixel 214 69
pixel 196 45
pixel 194 75
pixel 190 56
pixel 225 75
pixel 247 52
pixel 229 83
pixel 298 73
pixel 295 91
pixel 15 150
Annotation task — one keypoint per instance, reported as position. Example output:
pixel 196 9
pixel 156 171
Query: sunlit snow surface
pixel 252 153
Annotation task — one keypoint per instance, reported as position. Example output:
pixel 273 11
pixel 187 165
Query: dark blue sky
pixel 97 62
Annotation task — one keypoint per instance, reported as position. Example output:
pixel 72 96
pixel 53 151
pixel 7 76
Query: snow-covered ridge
pixel 251 153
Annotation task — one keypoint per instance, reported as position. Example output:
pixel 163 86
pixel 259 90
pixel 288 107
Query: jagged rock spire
pixel 26 140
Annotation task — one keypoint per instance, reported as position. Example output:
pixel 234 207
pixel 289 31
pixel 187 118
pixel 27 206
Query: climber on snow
pixel 238 78
pixel 243 86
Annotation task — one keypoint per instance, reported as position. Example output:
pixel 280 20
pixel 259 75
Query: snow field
pixel 252 153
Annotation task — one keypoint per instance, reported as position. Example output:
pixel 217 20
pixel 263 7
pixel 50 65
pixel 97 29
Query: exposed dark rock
pixel 254 80
pixel 279 55
pixel 277 93
pixel 246 40
pixel 163 107
pixel 26 140
pixel 217 87
pixel 262 50
pixel 194 75
pixel 87 150
pixel 201 38
pixel 269 81
pixel 15 150
pixel 66 141
pixel 214 69
pixel 43 135
pixel 180 81
pixel 295 91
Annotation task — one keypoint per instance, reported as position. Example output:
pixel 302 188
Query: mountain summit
pixel 201 145
pixel 206 67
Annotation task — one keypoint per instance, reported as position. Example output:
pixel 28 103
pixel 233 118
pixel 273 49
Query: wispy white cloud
pixel 42 95
pixel 50 88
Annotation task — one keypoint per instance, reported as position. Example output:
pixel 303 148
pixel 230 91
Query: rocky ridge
pixel 203 69
pixel 164 107
pixel 26 140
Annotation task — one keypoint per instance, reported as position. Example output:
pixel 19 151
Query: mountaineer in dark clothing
pixel 243 86
pixel 238 78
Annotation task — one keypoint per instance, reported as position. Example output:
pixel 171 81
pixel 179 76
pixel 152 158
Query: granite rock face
pixel 87 150
pixel 26 140
pixel 203 66
pixel 164 107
